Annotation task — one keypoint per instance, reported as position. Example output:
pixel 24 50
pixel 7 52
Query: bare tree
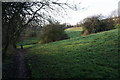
pixel 17 16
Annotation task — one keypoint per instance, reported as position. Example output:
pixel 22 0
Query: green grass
pixel 74 32
pixel 28 42
pixel 92 56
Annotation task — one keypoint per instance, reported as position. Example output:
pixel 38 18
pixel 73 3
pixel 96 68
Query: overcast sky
pixel 92 7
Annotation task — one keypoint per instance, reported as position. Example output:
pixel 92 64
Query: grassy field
pixel 28 42
pixel 74 32
pixel 92 56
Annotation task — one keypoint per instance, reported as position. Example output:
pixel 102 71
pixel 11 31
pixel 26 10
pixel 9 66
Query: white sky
pixel 92 7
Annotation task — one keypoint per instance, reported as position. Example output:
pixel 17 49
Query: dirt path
pixel 23 71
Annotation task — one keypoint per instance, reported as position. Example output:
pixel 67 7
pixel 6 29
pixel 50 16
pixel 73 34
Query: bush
pixel 107 24
pixel 95 24
pixel 33 34
pixel 52 33
pixel 117 26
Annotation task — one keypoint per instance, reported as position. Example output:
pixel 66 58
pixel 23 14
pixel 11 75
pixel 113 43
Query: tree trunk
pixel 9 48
pixel 5 50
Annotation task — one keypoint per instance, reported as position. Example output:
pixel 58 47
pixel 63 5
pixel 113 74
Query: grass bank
pixel 92 56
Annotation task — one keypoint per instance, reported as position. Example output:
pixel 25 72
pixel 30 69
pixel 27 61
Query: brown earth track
pixel 23 70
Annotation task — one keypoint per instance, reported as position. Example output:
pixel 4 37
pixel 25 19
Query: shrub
pixel 95 24
pixel 33 34
pixel 117 26
pixel 52 33
pixel 107 24
pixel 91 25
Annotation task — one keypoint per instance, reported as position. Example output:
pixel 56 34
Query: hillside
pixel 92 56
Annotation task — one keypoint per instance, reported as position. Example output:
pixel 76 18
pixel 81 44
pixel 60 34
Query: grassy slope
pixel 92 56
pixel 74 32
pixel 28 42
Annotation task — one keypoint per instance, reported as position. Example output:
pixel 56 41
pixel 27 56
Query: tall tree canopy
pixel 16 16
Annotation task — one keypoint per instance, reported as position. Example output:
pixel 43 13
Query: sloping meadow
pixel 92 56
